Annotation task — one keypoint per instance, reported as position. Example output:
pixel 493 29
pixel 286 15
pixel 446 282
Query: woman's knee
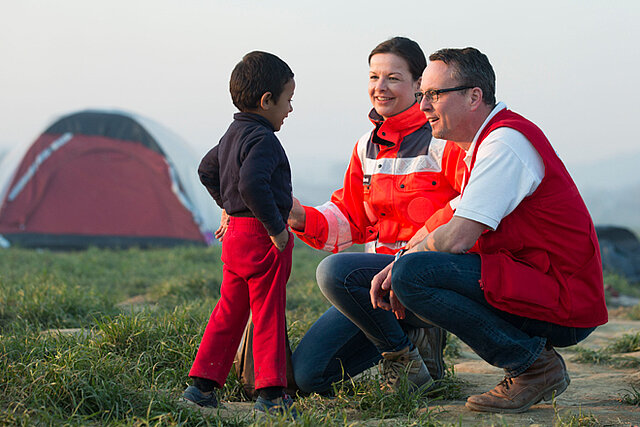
pixel 332 273
pixel 326 274
pixel 309 377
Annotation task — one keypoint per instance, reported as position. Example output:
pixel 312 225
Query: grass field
pixel 136 318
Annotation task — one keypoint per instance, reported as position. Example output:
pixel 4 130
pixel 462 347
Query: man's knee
pixel 409 288
pixel 402 276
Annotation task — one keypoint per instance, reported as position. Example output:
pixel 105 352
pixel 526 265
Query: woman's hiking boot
pixel 395 364
pixel 430 343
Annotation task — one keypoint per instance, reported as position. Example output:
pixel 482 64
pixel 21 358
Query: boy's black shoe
pixel 193 395
pixel 281 405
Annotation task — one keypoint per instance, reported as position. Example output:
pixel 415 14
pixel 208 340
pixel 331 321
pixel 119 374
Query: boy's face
pixel 279 109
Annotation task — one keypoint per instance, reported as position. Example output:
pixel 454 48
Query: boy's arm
pixel 209 173
pixel 259 160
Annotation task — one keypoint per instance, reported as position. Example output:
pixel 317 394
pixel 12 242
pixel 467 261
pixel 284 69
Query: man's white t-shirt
pixel 507 169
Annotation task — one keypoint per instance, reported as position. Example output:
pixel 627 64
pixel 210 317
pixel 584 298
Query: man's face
pixel 447 116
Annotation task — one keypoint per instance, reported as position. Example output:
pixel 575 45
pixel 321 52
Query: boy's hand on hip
pixel 224 224
pixel 281 239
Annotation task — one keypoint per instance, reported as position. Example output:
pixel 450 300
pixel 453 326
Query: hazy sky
pixel 570 66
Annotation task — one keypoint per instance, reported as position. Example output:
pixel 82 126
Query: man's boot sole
pixel 546 395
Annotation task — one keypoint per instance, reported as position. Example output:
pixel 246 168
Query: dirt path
pixel 595 390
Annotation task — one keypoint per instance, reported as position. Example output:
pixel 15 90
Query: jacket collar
pixel 391 131
pixel 253 117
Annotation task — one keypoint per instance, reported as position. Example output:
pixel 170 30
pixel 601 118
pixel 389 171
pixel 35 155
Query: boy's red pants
pixel 254 276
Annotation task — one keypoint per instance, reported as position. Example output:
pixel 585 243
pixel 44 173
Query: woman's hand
pixel 224 224
pixel 297 216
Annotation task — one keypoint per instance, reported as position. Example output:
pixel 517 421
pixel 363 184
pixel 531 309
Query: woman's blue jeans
pixel 349 337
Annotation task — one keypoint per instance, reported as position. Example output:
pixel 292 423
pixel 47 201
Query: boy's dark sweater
pixel 248 172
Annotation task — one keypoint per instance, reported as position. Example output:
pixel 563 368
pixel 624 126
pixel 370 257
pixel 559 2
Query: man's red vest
pixel 543 260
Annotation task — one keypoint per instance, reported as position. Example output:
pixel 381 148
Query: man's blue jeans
pixel 436 288
pixel 349 337
pixel 444 289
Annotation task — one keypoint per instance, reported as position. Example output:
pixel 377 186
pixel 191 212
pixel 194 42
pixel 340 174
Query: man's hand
pixel 420 235
pixel 396 305
pixel 297 216
pixel 281 239
pixel 224 224
pixel 380 287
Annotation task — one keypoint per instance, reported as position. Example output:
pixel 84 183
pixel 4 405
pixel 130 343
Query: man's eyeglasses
pixel 432 95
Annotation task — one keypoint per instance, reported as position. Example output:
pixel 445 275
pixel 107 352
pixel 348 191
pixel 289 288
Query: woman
pixel 396 189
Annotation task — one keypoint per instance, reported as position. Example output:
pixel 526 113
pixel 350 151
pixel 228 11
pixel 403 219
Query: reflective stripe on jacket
pixel 398 180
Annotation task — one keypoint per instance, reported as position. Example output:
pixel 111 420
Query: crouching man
pixel 517 270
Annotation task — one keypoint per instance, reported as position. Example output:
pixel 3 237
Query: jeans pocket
pixel 537 328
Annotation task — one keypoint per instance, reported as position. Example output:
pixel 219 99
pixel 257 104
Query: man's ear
pixel 475 98
pixel 266 101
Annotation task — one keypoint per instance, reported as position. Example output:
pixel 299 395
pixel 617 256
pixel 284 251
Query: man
pixel 517 270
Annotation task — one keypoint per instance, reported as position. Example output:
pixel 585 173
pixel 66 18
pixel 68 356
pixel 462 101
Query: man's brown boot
pixel 547 375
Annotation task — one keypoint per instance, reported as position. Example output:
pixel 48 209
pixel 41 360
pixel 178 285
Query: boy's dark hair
pixel 406 49
pixel 257 74
pixel 470 67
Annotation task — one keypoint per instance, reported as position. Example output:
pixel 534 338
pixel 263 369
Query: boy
pixel 249 177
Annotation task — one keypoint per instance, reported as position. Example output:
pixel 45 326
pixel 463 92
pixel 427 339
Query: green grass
pixel 631 396
pixel 621 284
pixel 139 316
pixel 613 354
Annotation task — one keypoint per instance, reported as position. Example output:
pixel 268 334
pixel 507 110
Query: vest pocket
pixel 518 288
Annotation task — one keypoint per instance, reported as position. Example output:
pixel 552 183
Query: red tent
pixel 104 179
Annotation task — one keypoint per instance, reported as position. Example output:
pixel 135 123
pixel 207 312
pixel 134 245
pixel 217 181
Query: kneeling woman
pixel 396 189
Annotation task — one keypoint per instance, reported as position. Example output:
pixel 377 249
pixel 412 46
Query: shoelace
pixel 393 369
pixel 506 382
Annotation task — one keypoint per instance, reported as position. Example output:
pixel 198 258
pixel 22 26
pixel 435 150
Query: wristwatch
pixel 399 254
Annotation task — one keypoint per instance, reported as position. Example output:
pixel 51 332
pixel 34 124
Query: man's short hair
pixel 257 74
pixel 470 67
pixel 406 49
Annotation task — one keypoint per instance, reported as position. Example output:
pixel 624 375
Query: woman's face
pixel 392 88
